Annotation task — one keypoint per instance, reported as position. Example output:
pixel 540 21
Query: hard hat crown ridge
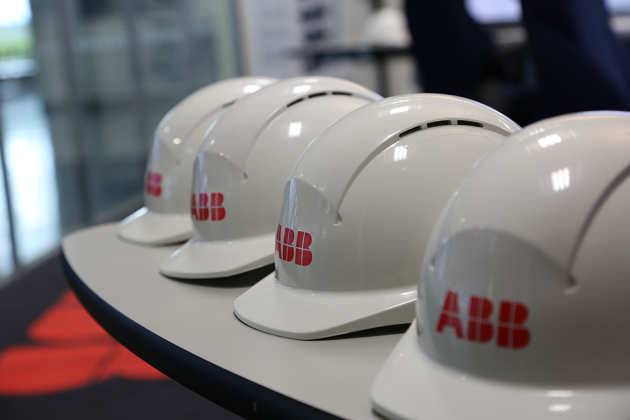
pixel 287 93
pixel 398 117
pixel 194 109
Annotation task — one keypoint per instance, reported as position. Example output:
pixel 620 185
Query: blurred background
pixel 83 83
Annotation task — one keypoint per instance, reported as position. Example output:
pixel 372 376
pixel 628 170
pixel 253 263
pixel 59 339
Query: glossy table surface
pixel 188 330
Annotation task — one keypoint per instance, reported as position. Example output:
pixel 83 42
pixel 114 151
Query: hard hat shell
pixel 165 217
pixel 241 169
pixel 522 296
pixel 359 210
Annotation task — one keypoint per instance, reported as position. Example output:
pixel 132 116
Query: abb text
pixel 510 331
pixel 199 207
pixel 299 251
pixel 153 184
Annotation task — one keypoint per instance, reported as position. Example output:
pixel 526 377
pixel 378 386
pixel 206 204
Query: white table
pixel 188 330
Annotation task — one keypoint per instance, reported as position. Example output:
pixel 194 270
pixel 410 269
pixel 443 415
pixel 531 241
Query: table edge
pixel 229 390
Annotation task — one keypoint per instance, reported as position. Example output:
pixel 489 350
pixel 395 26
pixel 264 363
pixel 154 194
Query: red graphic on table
pixel 511 331
pixel 199 207
pixel 298 252
pixel 154 183
pixel 70 351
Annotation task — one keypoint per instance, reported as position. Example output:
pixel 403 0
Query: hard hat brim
pixel 303 314
pixel 149 228
pixel 198 259
pixel 412 385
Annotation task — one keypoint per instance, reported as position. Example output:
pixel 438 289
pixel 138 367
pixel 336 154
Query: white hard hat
pixel 241 169
pixel 522 299
pixel 359 210
pixel 165 219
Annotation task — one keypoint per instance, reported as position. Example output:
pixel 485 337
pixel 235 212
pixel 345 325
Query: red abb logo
pixel 512 315
pixel 154 184
pixel 199 207
pixel 286 250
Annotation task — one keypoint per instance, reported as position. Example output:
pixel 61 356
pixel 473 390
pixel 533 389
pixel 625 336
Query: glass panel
pixel 83 85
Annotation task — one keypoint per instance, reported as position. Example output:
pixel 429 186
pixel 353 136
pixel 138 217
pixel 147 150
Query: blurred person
pixel 580 64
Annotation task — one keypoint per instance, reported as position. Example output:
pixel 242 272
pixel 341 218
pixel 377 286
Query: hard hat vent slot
pixel 295 102
pixel 438 123
pixel 421 126
pixel 410 131
pixel 317 94
pixel 469 123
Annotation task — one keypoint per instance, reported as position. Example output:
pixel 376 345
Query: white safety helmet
pixel 165 218
pixel 359 210
pixel 523 294
pixel 242 167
